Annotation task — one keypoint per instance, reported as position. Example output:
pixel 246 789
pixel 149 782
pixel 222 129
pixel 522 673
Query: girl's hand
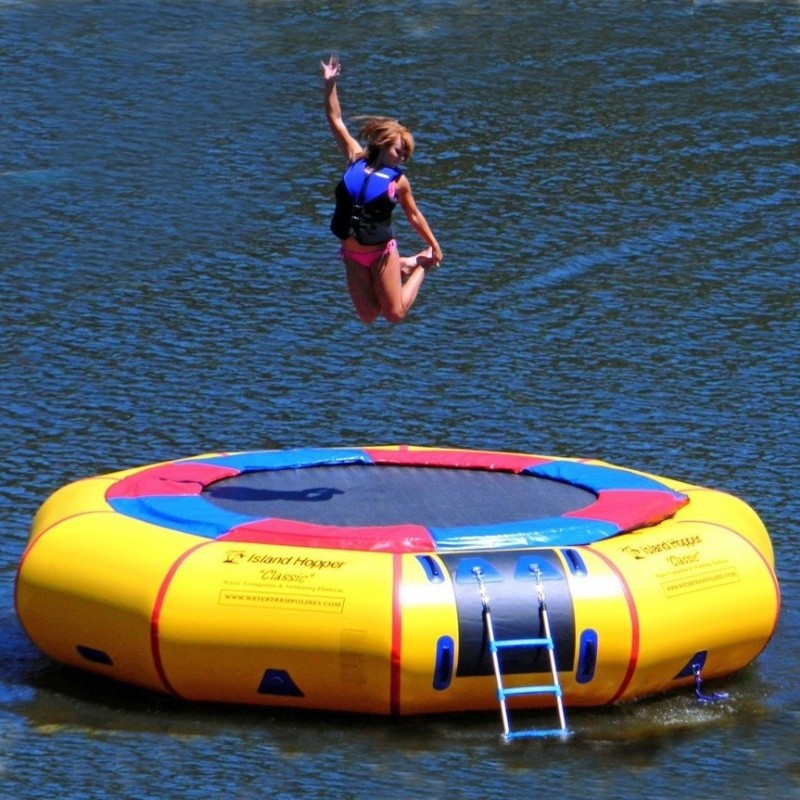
pixel 433 260
pixel 332 69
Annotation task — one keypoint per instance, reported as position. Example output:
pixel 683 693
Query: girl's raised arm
pixel 349 146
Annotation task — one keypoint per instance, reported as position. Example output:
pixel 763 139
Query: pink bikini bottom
pixel 369 258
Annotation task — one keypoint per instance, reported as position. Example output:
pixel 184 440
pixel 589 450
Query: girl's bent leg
pixel 362 292
pixel 394 296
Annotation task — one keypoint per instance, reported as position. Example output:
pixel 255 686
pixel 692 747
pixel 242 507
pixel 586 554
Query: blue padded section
pixel 189 514
pixel 286 459
pixel 596 477
pixel 550 532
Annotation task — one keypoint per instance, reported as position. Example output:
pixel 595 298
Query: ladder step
pixel 530 733
pixel 525 690
pixel 543 642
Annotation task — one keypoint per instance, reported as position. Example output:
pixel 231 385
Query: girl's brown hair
pixel 379 132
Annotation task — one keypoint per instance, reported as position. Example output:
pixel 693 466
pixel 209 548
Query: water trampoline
pixel 357 579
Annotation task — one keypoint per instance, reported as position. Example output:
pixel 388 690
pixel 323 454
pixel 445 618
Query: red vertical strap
pixel 155 618
pixel 635 628
pixel 397 631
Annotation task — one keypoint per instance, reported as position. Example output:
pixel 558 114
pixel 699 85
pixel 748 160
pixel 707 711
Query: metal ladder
pixel 495 645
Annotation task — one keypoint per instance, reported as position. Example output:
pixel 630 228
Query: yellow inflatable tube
pixel 142 576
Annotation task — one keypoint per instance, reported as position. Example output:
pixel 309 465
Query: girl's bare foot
pixel 409 263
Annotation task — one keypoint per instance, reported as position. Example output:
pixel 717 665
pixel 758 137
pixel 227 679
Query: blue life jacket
pixel 363 205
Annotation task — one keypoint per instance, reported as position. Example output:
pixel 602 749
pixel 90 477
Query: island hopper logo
pixel 308 562
pixel 234 557
pixel 664 546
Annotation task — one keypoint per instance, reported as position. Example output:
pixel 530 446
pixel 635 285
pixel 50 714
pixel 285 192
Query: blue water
pixel 616 189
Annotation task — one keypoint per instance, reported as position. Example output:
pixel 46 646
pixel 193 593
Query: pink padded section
pixel 631 508
pixel 184 478
pixel 388 539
